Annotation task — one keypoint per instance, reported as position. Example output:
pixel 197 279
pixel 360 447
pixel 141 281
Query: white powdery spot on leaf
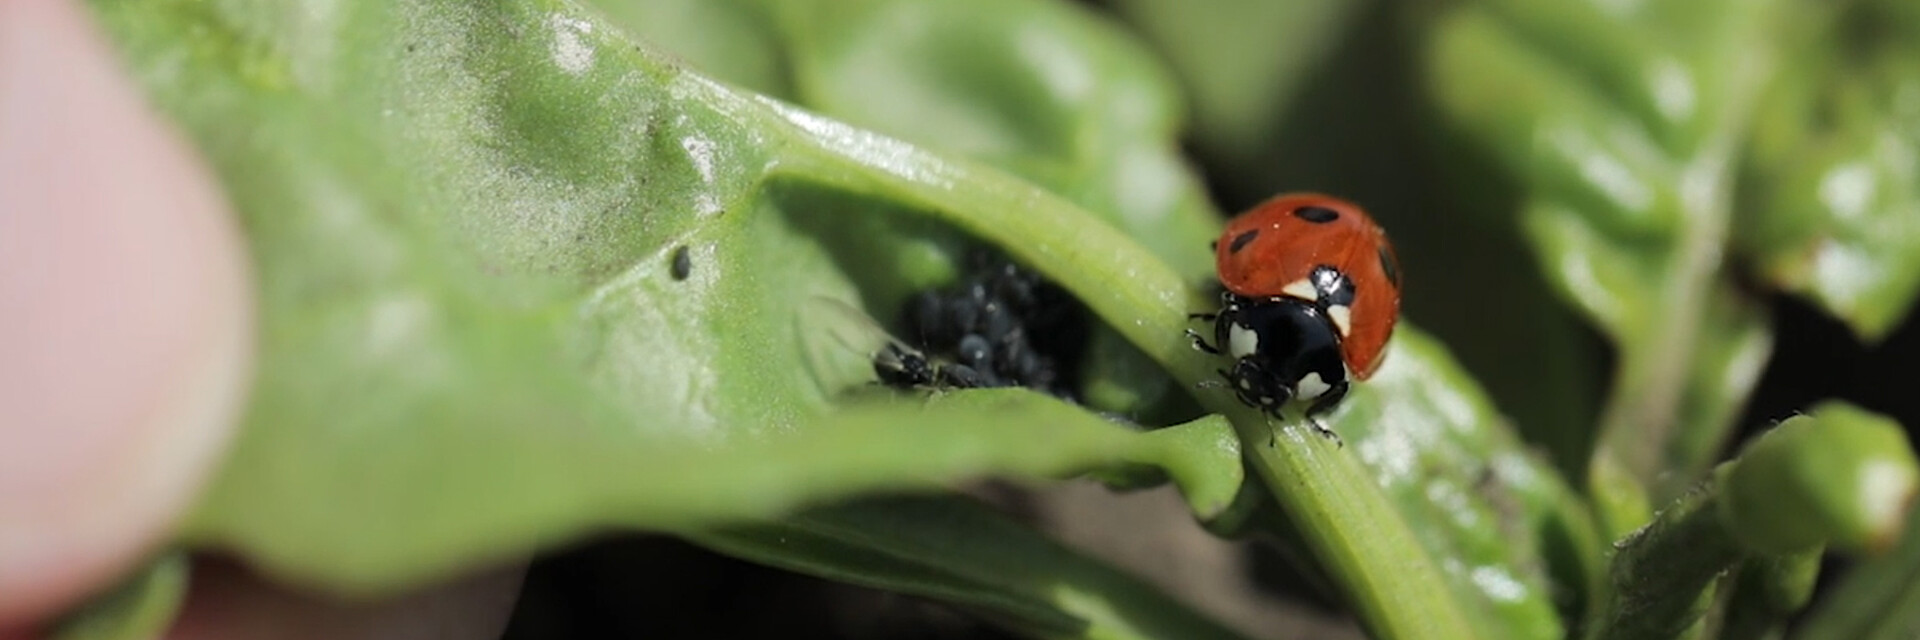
pixel 1392 457
pixel 1498 584
pixel 1455 503
pixel 570 52
pixel 701 151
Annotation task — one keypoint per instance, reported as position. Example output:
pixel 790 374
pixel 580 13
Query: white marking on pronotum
pixel 1342 317
pixel 1241 341
pixel 1311 387
pixel 1301 289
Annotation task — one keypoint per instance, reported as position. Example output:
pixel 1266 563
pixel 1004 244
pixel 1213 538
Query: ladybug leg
pixel 959 376
pixel 1325 403
pixel 1321 428
pixel 1200 343
pixel 1226 379
pixel 1273 413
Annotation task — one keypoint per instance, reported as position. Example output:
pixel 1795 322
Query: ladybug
pixel 1311 294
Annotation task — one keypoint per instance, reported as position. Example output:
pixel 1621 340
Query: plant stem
pixel 1879 600
pixel 1662 577
pixel 1768 591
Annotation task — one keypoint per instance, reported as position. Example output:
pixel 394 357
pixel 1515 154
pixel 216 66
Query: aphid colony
pixel 999 326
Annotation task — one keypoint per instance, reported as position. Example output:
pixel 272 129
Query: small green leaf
pixel 1840 476
pixel 1662 577
pixel 1768 591
pixel 1203 457
pixel 143 605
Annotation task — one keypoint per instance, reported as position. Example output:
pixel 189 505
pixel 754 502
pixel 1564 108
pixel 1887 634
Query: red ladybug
pixel 1312 291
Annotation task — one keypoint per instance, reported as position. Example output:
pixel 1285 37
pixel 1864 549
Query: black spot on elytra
pixel 1390 266
pixel 682 263
pixel 1241 241
pixel 1316 215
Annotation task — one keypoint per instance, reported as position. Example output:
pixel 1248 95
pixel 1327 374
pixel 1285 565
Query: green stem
pixel 1663 575
pixel 1769 590
pixel 1350 526
pixel 1639 422
pixel 1879 600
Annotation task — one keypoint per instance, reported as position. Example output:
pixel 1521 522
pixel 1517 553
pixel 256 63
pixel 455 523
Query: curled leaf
pixel 1839 476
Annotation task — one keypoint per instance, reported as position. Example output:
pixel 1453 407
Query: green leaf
pixel 1036 88
pixel 1482 505
pixel 1840 476
pixel 141 606
pixel 473 344
pixel 1242 64
pixel 960 552
pixel 1624 127
pixel 1833 209
pixel 1663 576
pixel 1040 89
pixel 462 218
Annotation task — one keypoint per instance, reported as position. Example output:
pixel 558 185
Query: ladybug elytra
pixel 1311 294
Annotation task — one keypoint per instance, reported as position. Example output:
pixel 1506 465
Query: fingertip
pixel 125 315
